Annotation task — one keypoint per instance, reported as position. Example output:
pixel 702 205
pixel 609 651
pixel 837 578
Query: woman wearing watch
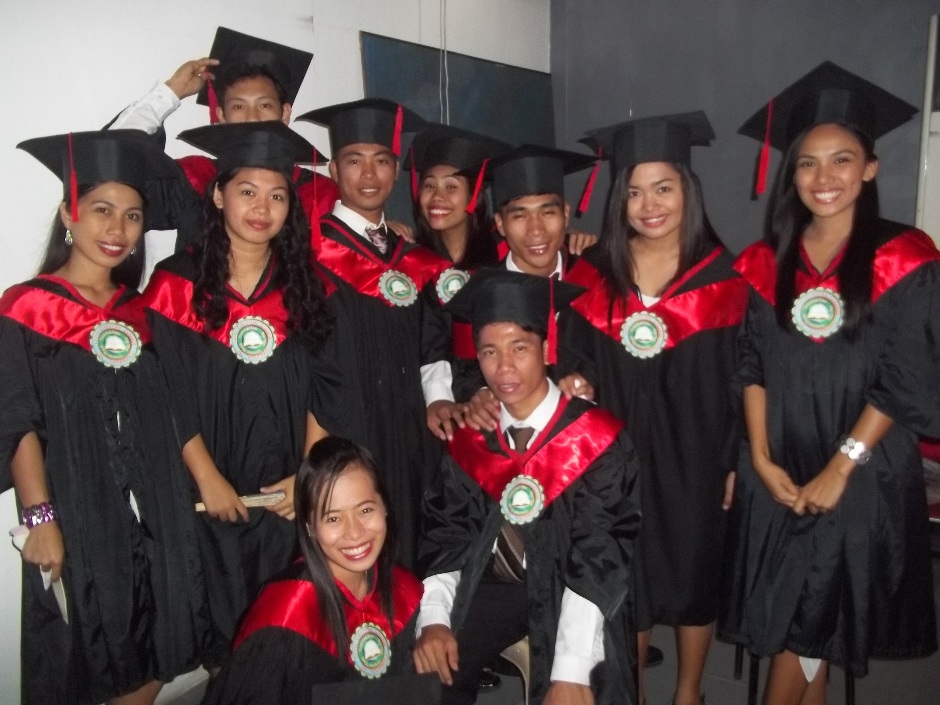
pixel 828 557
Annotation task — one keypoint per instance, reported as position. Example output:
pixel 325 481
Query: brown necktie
pixel 510 543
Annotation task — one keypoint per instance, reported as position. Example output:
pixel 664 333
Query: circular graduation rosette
pixel 398 288
pixel 450 282
pixel 252 339
pixel 115 344
pixel 643 334
pixel 818 313
pixel 370 650
pixel 523 499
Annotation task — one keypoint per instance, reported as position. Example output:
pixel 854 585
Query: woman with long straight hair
pixel 241 325
pixel 654 336
pixel 88 442
pixel 828 558
pixel 345 610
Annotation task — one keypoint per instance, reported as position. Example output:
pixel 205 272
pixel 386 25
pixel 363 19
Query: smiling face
pixel 255 204
pixel 365 174
pixel 110 222
pixel 444 197
pixel 513 363
pixel 534 228
pixel 252 99
pixel 831 166
pixel 655 201
pixel 351 530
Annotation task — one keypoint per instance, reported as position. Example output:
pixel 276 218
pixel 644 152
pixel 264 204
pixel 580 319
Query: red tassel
pixel 477 187
pixel 764 161
pixel 552 336
pixel 589 186
pixel 414 173
pixel 396 136
pixel 73 183
pixel 213 104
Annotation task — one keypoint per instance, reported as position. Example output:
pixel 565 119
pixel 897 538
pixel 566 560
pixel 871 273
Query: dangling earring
pixel 134 250
pixel 68 237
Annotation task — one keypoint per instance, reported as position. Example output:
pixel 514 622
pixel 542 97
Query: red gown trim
pixel 293 604
pixel 555 464
pixel 349 259
pixel 717 305
pixel 57 317
pixel 171 296
pixel 199 171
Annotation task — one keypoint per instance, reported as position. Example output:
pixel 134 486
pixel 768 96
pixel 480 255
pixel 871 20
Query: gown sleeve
pixel 330 391
pixel 20 411
pixel 574 344
pixel 435 328
pixel 907 380
pixel 178 348
pixel 749 367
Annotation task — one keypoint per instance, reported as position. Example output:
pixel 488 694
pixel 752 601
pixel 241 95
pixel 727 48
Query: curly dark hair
pixel 303 292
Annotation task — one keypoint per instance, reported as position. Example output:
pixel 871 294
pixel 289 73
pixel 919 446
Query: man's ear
pixel 567 215
pixel 498 222
pixel 545 351
pixel 219 115
pixel 334 170
pixel 285 113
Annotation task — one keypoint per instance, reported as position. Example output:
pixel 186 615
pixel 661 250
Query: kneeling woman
pixel 345 608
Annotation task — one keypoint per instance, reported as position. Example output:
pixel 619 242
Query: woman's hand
pixel 822 493
pixel 574 385
pixel 482 411
pixel 777 482
pixel 221 499
pixel 578 242
pixel 402 230
pixel 284 508
pixel 44 547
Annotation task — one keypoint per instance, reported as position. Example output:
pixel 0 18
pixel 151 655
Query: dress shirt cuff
pixel 436 382
pixel 438 600
pixel 149 112
pixel 579 644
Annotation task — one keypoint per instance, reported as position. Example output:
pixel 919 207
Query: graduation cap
pixel 660 138
pixel 497 295
pixel 826 94
pixel 366 121
pixel 467 152
pixel 267 145
pixel 236 52
pixel 81 159
pixel 531 170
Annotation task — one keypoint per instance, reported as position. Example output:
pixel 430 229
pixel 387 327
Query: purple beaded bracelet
pixel 38 514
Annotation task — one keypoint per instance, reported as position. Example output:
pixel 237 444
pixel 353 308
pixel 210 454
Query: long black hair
pixel 787 219
pixel 303 292
pixel 128 273
pixel 481 247
pixel 615 260
pixel 328 459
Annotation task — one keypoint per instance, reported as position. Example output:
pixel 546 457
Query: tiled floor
pixel 888 683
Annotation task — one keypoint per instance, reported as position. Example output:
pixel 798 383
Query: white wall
pixel 73 66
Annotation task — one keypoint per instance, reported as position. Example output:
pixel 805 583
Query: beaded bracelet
pixel 38 514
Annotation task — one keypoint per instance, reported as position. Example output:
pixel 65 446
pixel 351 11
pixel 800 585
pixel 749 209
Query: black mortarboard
pixel 236 51
pixel 467 152
pixel 366 121
pixel 81 159
pixel 531 169
pixel 828 93
pixel 661 138
pixel 267 145
pixel 497 295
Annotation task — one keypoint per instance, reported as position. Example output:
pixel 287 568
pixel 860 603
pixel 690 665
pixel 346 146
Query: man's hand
pixel 436 652
pixel 442 416
pixel 191 77
pixel 564 693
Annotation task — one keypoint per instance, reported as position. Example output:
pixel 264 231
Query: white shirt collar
pixel 539 418
pixel 512 267
pixel 353 220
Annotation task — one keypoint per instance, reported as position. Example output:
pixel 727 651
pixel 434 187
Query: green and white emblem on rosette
pixel 252 339
pixel 643 334
pixel 398 288
pixel 115 344
pixel 370 650
pixel 523 500
pixel 450 282
pixel 818 313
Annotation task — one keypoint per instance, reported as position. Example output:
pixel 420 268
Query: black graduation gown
pixel 854 582
pixel 284 647
pixel 582 540
pixel 252 417
pixel 683 420
pixel 134 590
pixel 382 346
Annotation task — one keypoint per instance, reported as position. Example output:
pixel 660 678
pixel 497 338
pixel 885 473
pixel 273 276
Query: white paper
pixel 19 534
